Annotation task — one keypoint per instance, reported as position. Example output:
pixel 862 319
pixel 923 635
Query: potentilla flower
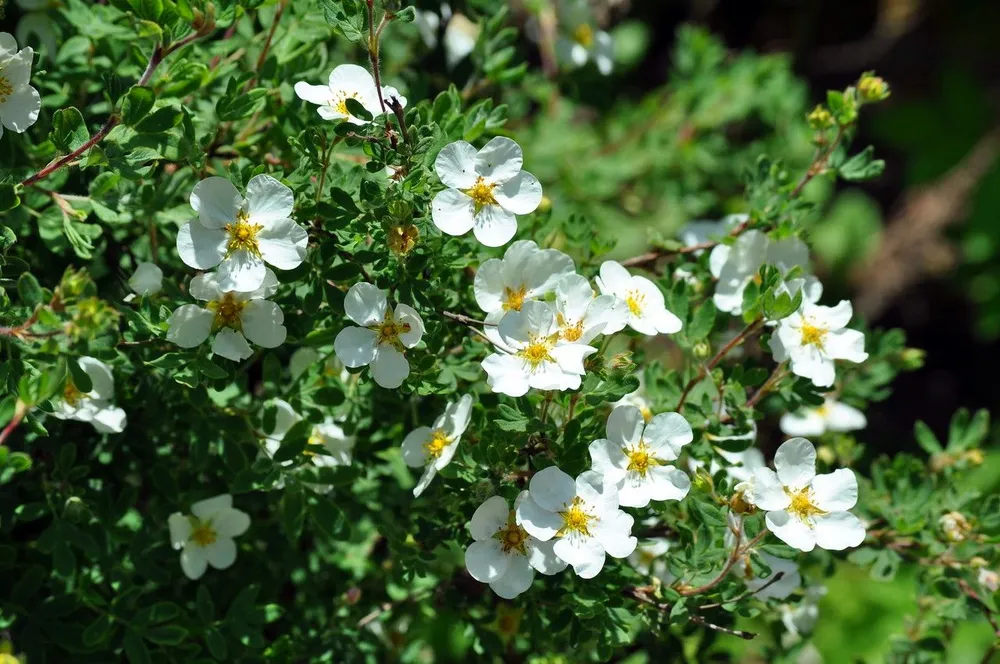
pixel 460 33
pixel 432 448
pixel 581 515
pixel 241 234
pixel 205 537
pixel 19 102
pixel 649 559
pixel 813 337
pixel 831 416
pixel 804 509
pixel 327 446
pixel 988 579
pixel 504 555
pixel 581 314
pixel 347 82
pixel 533 354
pixel 524 273
pixel 955 526
pixel 147 279
pixel 234 318
pixel 581 41
pixel 699 232
pixel 486 189
pixel 647 313
pixel 382 338
pixel 95 406
pixel 635 456
pixel 800 619
pixel 738 264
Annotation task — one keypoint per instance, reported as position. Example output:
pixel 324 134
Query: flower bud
pixel 621 360
pixel 545 205
pixel 975 457
pixel 204 22
pixel 826 454
pixel 912 358
pixel 872 89
pixel 955 526
pixel 977 562
pixel 820 118
pixel 702 350
pixel 738 503
pixel 402 239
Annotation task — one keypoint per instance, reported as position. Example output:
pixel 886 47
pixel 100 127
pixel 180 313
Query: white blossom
pixel 485 190
pixel 533 354
pixel 813 337
pixel 582 515
pixel 647 313
pixel 347 82
pixel 831 416
pixel 95 406
pixel 649 559
pixel 205 537
pixel 383 336
pixel 955 526
pixel 738 264
pixel 19 102
pixel 503 554
pixel 635 456
pixel 699 232
pixel 241 234
pixel 234 317
pixel 327 446
pixel 581 314
pixel 37 24
pixel 147 279
pixel 800 619
pixel 433 448
pixel 804 509
pixel 580 41
pixel 988 579
pixel 460 33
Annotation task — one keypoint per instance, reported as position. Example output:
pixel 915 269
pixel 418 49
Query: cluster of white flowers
pixel 348 82
pixel 19 102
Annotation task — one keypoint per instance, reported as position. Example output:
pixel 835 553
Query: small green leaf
pixel 135 649
pixel 216 644
pixel 357 109
pixel 159 121
pixel 69 131
pixel 239 104
pixel 30 290
pixel 702 321
pixel 862 166
pixel 166 635
pixel 204 605
pixel 81 379
pixel 137 103
pixel 8 199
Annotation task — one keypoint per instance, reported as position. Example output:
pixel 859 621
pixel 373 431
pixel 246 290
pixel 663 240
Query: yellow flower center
pixel 389 329
pixel 339 103
pixel 315 439
pixel 572 332
pixel 647 413
pixel 481 194
pixel 583 35
pixel 227 312
pixel 243 235
pixel 802 504
pixel 71 394
pixel 812 334
pixel 513 300
pixel 512 537
pixel 402 239
pixel 823 411
pixel 576 519
pixel 6 89
pixel 436 445
pixel 203 534
pixel 635 301
pixel 640 459
pixel 537 351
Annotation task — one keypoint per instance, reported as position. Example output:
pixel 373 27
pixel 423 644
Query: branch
pixel 466 320
pixel 750 593
pixel 819 162
pixel 651 256
pixel 267 43
pixel 19 412
pixel 159 53
pixel 397 109
pixel 705 369
pixel 373 38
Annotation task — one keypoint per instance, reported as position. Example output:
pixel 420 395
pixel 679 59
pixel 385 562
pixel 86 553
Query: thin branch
pixel 19 412
pixel 267 43
pixel 698 620
pixel 819 163
pixel 750 593
pixel 397 109
pixel 373 38
pixel 652 256
pixel 466 320
pixel 706 369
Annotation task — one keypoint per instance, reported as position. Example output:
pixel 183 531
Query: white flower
pixel 699 232
pixel 37 25
pixel 95 406
pixel 241 234
pixel 804 509
pixel 206 536
pixel 382 337
pixel 581 314
pixel 19 102
pixel 524 273
pixel 581 41
pixel 738 264
pixel 648 559
pixel 485 190
pixel 831 416
pixel 347 82
pixel 327 446
pixel 460 34
pixel 647 313
pixel 234 317
pixel 955 526
pixel 800 619
pixel 637 399
pixel 504 555
pixel 742 465
pixel 635 456
pixel 533 355
pixel 434 447
pixel 813 337
pixel 989 579
pixel 147 279
pixel 582 515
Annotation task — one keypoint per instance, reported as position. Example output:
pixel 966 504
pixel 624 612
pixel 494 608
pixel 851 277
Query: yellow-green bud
pixel 545 205
pixel 820 118
pixel 912 358
pixel 872 89
pixel 702 350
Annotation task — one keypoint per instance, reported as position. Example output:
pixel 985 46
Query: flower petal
pixel 791 530
pixel 414 452
pixel 836 491
pixel 486 561
pixel 456 165
pixel 355 346
pixel 667 433
pixel 614 532
pixel 516 579
pixel 262 323
pixel 795 462
pixel 231 344
pixel 494 226
pixel 241 272
pixel 20 110
pixel 193 562
pixel 230 522
pixel 488 285
pixel 283 243
pixel 200 247
pixel 585 554
pixel 221 554
pixel 268 200
pixel 767 492
pixel 552 489
pixel 538 521
pixel 365 304
pixel 608 459
pixel 499 160
pixel 842 417
pixel 390 367
pixel 667 483
pixel 314 94
pixel 206 509
pixel 180 529
pixel 216 201
pixel 452 212
pixel 147 279
pixel 189 325
pixel 409 316
pixel 488 518
pixel 838 531
pixel 521 194
pixel 625 425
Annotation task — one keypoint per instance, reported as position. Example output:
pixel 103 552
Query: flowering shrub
pixel 240 301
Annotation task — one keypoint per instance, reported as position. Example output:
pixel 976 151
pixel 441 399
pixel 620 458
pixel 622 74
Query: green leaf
pixel 293 510
pixel 926 438
pixel 357 109
pixel 702 321
pixel 204 605
pixel 346 17
pixel 135 649
pixel 137 103
pixel 30 290
pixel 161 120
pixel 81 379
pixel 862 166
pixel 216 644
pixel 8 199
pixel 69 131
pixel 166 635
pixel 239 105
pixel 210 369
pixel 97 631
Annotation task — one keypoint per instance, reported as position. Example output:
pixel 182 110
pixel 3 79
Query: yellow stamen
pixel 402 239
pixel 243 235
pixel 537 351
pixel 812 334
pixel 572 332
pixel 71 394
pixel 576 519
pixel 315 439
pixel 203 534
pixel 6 89
pixel 583 35
pixel 635 301
pixel 227 312
pixel 513 300
pixel 802 504
pixel 512 537
pixel 481 194
pixel 339 103
pixel 389 329
pixel 436 445
pixel 640 459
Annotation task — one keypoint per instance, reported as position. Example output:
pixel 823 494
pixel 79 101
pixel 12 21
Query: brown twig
pixel 466 320
pixel 705 369
pixel 772 380
pixel 20 410
pixel 373 39
pixel 267 43
pixel 652 256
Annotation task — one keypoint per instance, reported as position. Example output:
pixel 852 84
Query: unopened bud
pixel 826 455
pixel 621 360
pixel 975 457
pixel 955 526
pixel 912 358
pixel 872 89
pixel 738 503
pixel 545 205
pixel 402 239
pixel 204 22
pixel 820 118
pixel 977 562
pixel 702 350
